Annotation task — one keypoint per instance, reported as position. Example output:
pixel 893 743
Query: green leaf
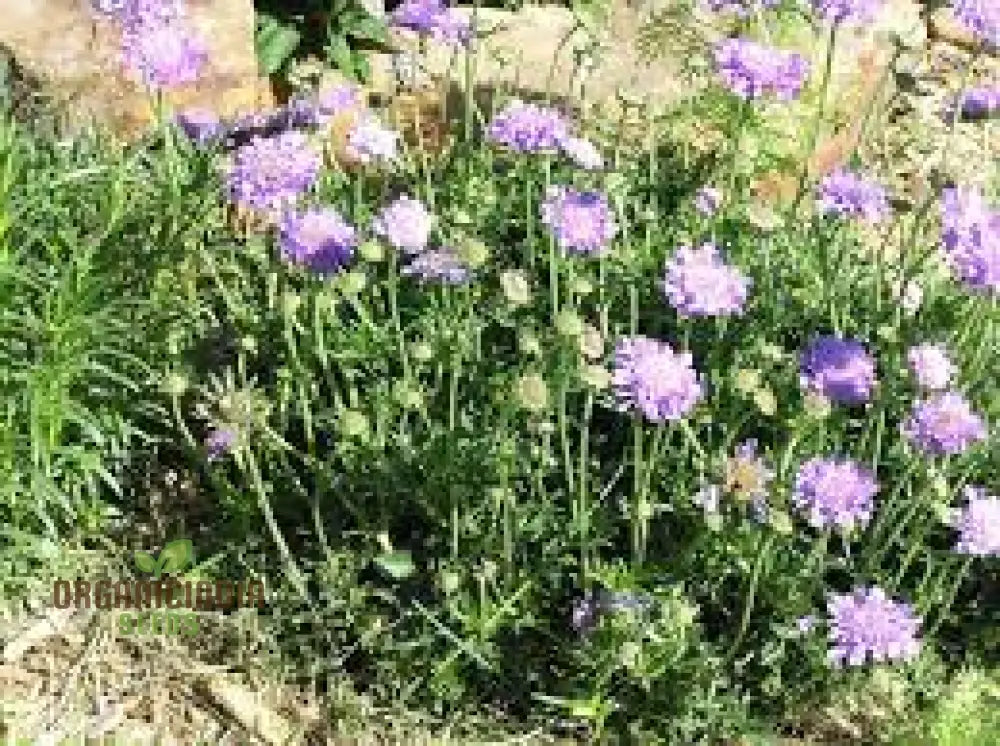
pixel 276 42
pixel 361 67
pixel 368 28
pixel 338 52
pixel 176 555
pixel 398 565
pixel 145 562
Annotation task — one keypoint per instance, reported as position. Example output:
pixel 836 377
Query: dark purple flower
pixel 851 195
pixel 867 624
pixel 582 222
pixel 981 18
pixel 438 265
pixel 653 379
pixel 432 17
pixel 270 172
pixel 319 239
pixel 752 71
pixel 848 11
pixel 202 126
pixel 835 493
pixel 839 369
pixel 979 524
pixel 699 283
pixel 944 424
pixel 976 103
pixel 585 613
pixel 528 128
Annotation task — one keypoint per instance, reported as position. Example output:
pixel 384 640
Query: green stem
pixel 762 556
pixel 956 585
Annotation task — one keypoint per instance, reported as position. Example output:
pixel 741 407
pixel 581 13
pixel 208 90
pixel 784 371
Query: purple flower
pixel 273 171
pixel 528 128
pixel 707 200
pixel 980 17
pixel 582 222
pixel 452 27
pixel 583 153
pixel 865 623
pixel 202 126
pixel 333 100
pixel 438 265
pixel 976 103
pixel 944 424
pixel 131 13
pixel 319 239
pixel 835 492
pixel 219 442
pixel 752 71
pixel 653 379
pixel 931 366
pixel 805 624
pixel 432 17
pixel 979 524
pixel 164 55
pixel 848 11
pixel 405 224
pixel 851 195
pixel 971 238
pixel 369 140
pixel 839 369
pixel 699 283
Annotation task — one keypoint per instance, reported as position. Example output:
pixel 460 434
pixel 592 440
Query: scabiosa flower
pixel 653 379
pixel 334 100
pixel 979 524
pixel 752 71
pixel 131 13
pixel 867 624
pixel 219 442
pixel 405 224
pixel 835 492
pixel 452 27
pixel 944 424
pixel 847 11
pixel 269 172
pixel 699 283
pixel 707 200
pixel 528 128
pixel 319 239
pixel 200 125
pixel 851 195
pixel 980 17
pixel 163 55
pixel 583 153
pixel 840 370
pixel 369 141
pixel 746 474
pixel 975 103
pixel 438 265
pixel 971 238
pixel 931 366
pixel 582 222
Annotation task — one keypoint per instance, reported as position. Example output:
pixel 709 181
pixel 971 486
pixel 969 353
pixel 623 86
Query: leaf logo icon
pixel 174 557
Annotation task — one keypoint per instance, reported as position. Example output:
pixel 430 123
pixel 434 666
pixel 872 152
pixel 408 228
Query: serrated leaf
pixel 145 562
pixel 176 555
pixel 398 565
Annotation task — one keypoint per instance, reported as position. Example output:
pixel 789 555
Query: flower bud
pixel 353 424
pixel 529 344
pixel 421 352
pixel 533 392
pixel 516 287
pixel 596 376
pixel 372 251
pixel 765 401
pixel 352 283
pixel 591 342
pixel 569 324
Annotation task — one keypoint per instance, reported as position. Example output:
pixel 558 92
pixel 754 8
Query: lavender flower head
pixel 132 13
pixel 930 366
pixel 944 424
pixel 976 103
pixel 165 56
pixel 848 11
pixel 699 283
pixel 866 624
pixel 979 524
pixel 582 222
pixel 971 238
pixel 201 126
pixel 981 18
pixel 747 475
pixel 839 369
pixel 219 442
pixel 319 239
pixel 835 493
pixel 583 153
pixel 270 172
pixel 334 100
pixel 707 200
pixel 528 128
pixel 405 224
pixel 752 71
pixel 851 195
pixel 438 265
pixel 653 379
pixel 370 140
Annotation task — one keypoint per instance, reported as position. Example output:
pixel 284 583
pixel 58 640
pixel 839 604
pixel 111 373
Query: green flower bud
pixel 353 424
pixel 516 287
pixel 372 251
pixel 569 324
pixel 533 392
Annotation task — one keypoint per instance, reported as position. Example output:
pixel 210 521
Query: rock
pixel 74 56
